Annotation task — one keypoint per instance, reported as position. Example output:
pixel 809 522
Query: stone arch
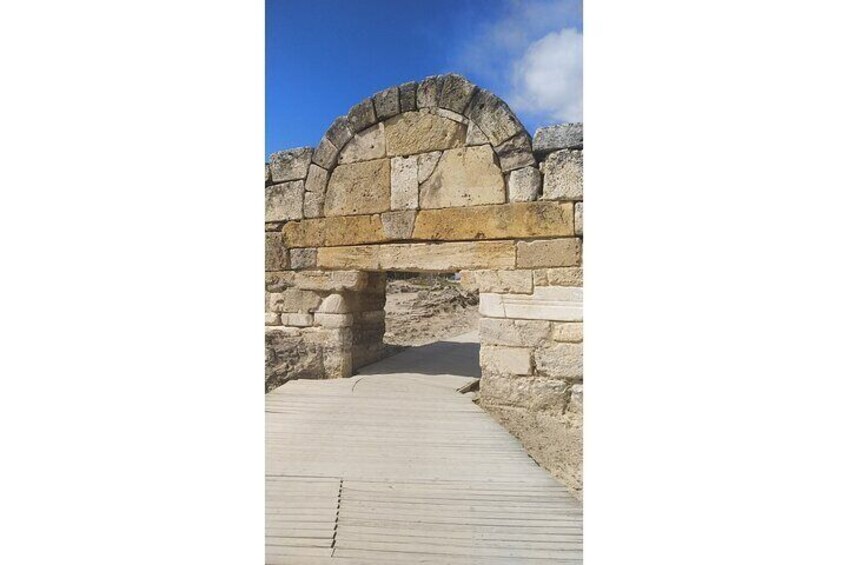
pixel 430 176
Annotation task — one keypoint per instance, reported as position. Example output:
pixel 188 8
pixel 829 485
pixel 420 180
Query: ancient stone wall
pixel 436 176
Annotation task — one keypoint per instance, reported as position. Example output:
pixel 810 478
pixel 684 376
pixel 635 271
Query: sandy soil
pixel 421 311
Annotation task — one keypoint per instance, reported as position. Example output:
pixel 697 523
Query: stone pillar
pixel 531 352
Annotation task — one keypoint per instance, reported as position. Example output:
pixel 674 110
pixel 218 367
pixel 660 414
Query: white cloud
pixel 531 54
pixel 547 80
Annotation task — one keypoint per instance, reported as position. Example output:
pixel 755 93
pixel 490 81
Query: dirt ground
pixel 421 310
pixel 424 310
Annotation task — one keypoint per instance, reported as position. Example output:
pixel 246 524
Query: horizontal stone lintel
pixel 519 220
pixel 424 257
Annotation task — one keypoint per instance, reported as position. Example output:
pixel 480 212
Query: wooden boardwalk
pixel 395 466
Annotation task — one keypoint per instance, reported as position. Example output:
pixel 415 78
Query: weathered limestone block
pixel 517 333
pixel 336 353
pixel 325 154
pixel 284 201
pixel 334 230
pixel 350 257
pixel 278 281
pixel 428 91
pixel 398 225
pixel 426 165
pixel 333 320
pixel 563 176
pixel 456 93
pixel 561 276
pixel 291 164
pixel 560 360
pixel 557 303
pixel 339 132
pixel 411 133
pixel 533 393
pixel 571 332
pixel 272 319
pixel 387 103
pixel 334 304
pixel 404 191
pixel 274 226
pixel 554 138
pixel 292 300
pixel 330 281
pixel 316 187
pixel 516 282
pixel 493 116
pixel 303 258
pixel 475 135
pixel 515 153
pixel 578 218
pixel 316 179
pixel 525 184
pixel 297 319
pixel 549 253
pixel 443 257
pixel 338 364
pixel 467 176
pixel 313 205
pixel 268 173
pixel 359 188
pixel 408 92
pixel 366 145
pixel 506 360
pixel 276 254
pixel 291 354
pixel 517 220
pixel 362 116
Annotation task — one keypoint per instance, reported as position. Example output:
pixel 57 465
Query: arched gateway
pixel 435 176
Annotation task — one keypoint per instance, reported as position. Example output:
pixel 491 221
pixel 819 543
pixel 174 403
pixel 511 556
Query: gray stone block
pixel 339 132
pixel 493 116
pixel 456 93
pixel 362 116
pixel 515 153
pixel 554 138
pixel 325 154
pixel 303 258
pixel 525 184
pixel 408 92
pixel 291 164
pixel 428 92
pixel 387 103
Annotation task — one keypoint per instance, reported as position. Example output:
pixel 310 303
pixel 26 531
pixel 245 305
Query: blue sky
pixel 324 56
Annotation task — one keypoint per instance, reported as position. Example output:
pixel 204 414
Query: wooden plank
pixel 387 468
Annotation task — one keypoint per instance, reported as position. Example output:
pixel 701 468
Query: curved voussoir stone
pixel 408 92
pixel 493 116
pixel 362 115
pixel 325 154
pixel 387 103
pixel 339 133
pixel 456 93
pixel 428 91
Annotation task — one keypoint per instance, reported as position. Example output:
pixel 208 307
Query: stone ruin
pixel 430 176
